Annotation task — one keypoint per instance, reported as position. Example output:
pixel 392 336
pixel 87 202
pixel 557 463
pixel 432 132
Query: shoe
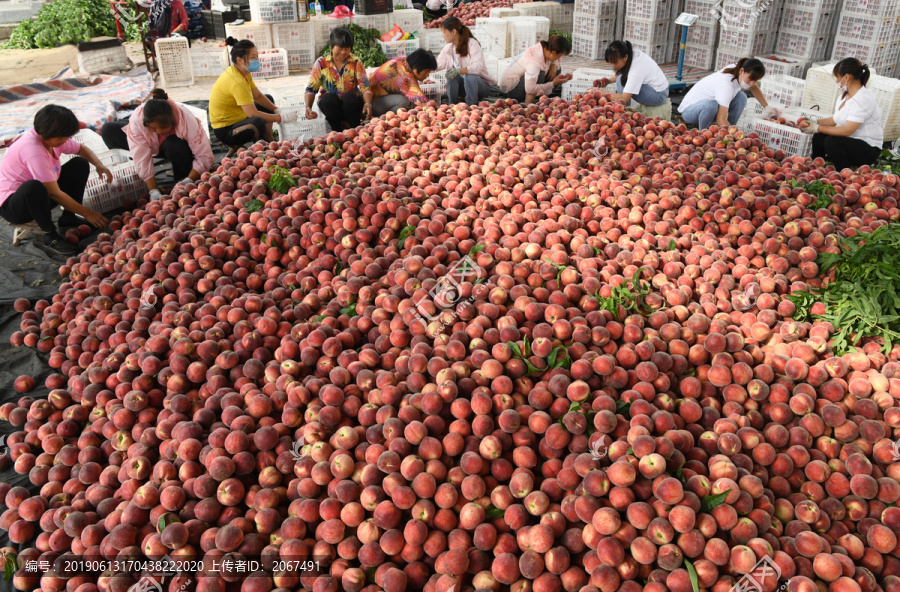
pixel 69 220
pixel 54 242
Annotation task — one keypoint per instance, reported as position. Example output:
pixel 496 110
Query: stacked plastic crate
pixel 703 35
pixel 746 30
pixel 805 27
pixel 869 30
pixel 594 27
pixel 323 26
pixel 492 33
pixel 647 24
pixel 298 40
pixel 541 26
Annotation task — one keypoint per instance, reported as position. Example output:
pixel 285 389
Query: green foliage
pixel 629 295
pixel 889 160
pixel 254 205
pixel 863 298
pixel 68 21
pixel 692 574
pixel 711 502
pixel 281 179
pixel 365 46
pixel 562 34
pixel 820 190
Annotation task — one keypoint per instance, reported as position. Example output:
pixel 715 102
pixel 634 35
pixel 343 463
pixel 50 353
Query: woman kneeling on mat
pixel 238 112
pixel 638 76
pixel 161 126
pixel 32 182
pixel 536 71
pixel 719 98
pixel 852 136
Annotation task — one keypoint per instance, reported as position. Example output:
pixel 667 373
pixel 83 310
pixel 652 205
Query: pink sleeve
pixel 444 59
pixel 70 147
pixel 139 146
pixel 478 65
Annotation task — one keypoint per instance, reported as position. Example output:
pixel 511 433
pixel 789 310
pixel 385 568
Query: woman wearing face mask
pixel 161 126
pixel 638 76
pixel 852 136
pixel 719 98
pixel 238 112
pixel 535 72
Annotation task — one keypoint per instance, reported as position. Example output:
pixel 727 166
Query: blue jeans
pixel 646 96
pixel 474 87
pixel 704 113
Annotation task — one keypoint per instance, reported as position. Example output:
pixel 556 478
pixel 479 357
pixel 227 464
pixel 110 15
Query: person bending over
pixel 32 181
pixel 396 83
pixel 536 72
pixel 719 98
pixel 638 77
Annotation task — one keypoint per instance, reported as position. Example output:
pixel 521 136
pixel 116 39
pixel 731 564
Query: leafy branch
pixel 281 179
pixel 822 191
pixel 711 502
pixel 629 295
pixel 407 232
pixel 254 205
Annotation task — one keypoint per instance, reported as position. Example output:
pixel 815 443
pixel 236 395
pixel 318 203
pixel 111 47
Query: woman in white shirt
pixel 536 71
pixel 852 136
pixel 719 98
pixel 638 76
pixel 464 61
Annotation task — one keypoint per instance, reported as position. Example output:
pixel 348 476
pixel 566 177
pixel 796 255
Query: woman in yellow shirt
pixel 239 113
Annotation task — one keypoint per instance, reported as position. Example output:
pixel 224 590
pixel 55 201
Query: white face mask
pixel 842 86
pixel 745 85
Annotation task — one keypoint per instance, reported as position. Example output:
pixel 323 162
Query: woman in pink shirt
pixel 161 126
pixel 536 71
pixel 462 57
pixel 32 181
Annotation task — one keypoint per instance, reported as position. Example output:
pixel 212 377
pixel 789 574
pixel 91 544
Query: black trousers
pixel 245 131
pixel 32 202
pixel 174 149
pixel 844 152
pixel 338 110
pixel 518 92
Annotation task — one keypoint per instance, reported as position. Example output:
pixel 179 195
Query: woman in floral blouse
pixel 340 79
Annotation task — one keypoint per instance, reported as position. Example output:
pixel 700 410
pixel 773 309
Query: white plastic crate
pixel 302 129
pixel 747 43
pixel 174 60
pixel 502 65
pixel 208 62
pixel 807 47
pixel 273 11
pixel 433 40
pixel 520 36
pixel 700 57
pixel 644 31
pixel 706 11
pixel 871 7
pixel 879 57
pixel 809 22
pixel 300 58
pixel 820 91
pixel 490 62
pixel 563 18
pixel 541 25
pixel 298 103
pixel 108 157
pixel 820 5
pixel 126 186
pixel 287 35
pixel 707 35
pixel 595 27
pixel 396 49
pixel 110 59
pixel 648 9
pixel 788 67
pixel 91 139
pixel 259 33
pixel 201 115
pixel 748 19
pixel 543 9
pixel 784 90
pixel 410 20
pixel 887 96
pixel 503 13
pixel 273 63
pixel 322 28
pixel 575 87
pixel 658 52
pixel 590 47
pixel 725 56
pixel 378 22
pixel 783 137
pixel 752 112
pixel 870 29
pixel 491 33
pixel 435 87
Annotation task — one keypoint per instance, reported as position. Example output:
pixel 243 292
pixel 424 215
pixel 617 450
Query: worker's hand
pixel 104 173
pixel 463 71
pixel 310 114
pixel 96 219
pixel 289 116
pixel 772 111
pixel 367 110
pixel 604 82
pixel 155 195
pixel 562 78
pixel 813 127
pixel 186 181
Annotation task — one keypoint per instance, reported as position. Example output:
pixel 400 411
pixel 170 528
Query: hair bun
pixel 158 93
pixel 231 41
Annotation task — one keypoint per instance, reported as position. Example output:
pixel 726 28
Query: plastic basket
pixel 820 91
pixel 502 65
pixel 606 8
pixel 707 35
pixel 783 137
pixel 91 139
pixel 490 62
pixel 563 18
pixel 302 129
pixel 870 29
pixel 273 63
pixel 544 9
pixel 273 11
pixel 259 33
pixel 110 59
pixel 808 47
pixel 747 42
pixel 752 112
pixel 581 86
pixel 378 22
pixel 593 26
pixel 651 10
pixel 108 157
pixel 658 52
pixel 705 10
pixel 747 19
pixel 880 57
pixel 287 35
pixel 300 58
pixel 725 56
pixel 174 60
pixel 201 115
pixel 126 186
pixel 410 20
pixel 503 13
pixel 641 31
pixel 208 62
pixel 820 5
pixel 871 7
pixel 492 35
pixel 433 40
pixel 541 25
pixel 789 67
pixel 784 90
pixel 700 57
pixel 887 96
pixel 323 26
pixel 396 49
pixel 589 47
pixel 434 88
pixel 520 36
pixel 808 22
